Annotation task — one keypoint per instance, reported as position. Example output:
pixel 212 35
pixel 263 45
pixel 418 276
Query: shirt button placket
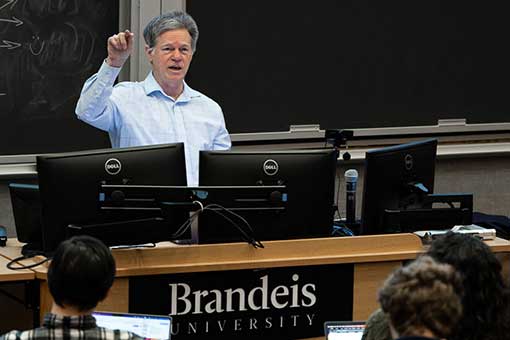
pixel 180 128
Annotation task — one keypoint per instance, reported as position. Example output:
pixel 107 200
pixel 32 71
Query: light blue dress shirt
pixel 140 113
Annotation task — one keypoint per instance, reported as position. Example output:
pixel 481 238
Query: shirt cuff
pixel 108 73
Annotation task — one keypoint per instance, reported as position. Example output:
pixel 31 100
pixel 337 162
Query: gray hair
pixel 173 20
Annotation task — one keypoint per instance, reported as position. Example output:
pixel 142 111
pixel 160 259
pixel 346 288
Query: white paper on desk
pixel 486 234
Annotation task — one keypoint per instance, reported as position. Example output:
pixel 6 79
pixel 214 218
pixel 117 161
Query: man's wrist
pixel 114 62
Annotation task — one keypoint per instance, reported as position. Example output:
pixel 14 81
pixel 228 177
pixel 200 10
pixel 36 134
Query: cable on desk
pixel 11 266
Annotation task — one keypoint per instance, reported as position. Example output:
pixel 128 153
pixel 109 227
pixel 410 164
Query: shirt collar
pixel 59 321
pixel 151 85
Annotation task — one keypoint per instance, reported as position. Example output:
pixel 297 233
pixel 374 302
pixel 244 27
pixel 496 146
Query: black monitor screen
pixel 309 177
pixel 396 178
pixel 26 210
pixel 70 185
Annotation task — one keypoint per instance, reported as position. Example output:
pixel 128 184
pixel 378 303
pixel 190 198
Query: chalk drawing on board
pixel 48 48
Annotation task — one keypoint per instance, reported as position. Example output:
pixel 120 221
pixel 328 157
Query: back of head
pixel 377 327
pixel 470 256
pixel 422 296
pixel 170 21
pixel 81 273
pixel 485 297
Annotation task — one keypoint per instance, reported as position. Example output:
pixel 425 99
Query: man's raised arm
pixel 94 106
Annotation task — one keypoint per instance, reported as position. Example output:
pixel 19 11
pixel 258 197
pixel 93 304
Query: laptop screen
pixel 146 326
pixel 344 330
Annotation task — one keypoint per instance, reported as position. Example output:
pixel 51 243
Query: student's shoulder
pixel 116 334
pixel 12 335
pixel 25 335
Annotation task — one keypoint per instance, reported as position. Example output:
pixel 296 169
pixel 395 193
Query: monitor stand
pixel 32 249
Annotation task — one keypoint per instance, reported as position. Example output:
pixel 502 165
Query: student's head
pixel 471 257
pixel 171 40
pixel 81 273
pixel 485 297
pixel 422 299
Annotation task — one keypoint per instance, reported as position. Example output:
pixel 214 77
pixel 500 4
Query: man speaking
pixel 162 108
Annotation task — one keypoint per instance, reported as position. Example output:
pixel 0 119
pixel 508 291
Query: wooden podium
pixel 373 258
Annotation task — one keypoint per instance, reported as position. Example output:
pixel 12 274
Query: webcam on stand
pixel 339 138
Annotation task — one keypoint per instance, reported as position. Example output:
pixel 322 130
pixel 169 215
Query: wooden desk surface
pixel 8 275
pixel 169 258
pixel 197 258
pixel 232 256
pixel 499 245
pixel 12 249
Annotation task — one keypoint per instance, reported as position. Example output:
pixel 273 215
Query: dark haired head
pixel 422 296
pixel 485 297
pixel 81 273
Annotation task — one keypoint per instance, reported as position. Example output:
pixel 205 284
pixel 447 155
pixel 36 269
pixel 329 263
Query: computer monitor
pixel 309 178
pixel 396 178
pixel 26 210
pixel 344 330
pixel 144 325
pixel 70 185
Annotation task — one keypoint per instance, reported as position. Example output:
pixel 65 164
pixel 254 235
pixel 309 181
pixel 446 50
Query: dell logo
pixel 112 166
pixel 408 162
pixel 270 167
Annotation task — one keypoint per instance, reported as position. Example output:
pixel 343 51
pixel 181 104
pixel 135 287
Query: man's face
pixel 171 56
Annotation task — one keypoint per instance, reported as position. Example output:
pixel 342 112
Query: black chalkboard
pixel 48 48
pixel 352 63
